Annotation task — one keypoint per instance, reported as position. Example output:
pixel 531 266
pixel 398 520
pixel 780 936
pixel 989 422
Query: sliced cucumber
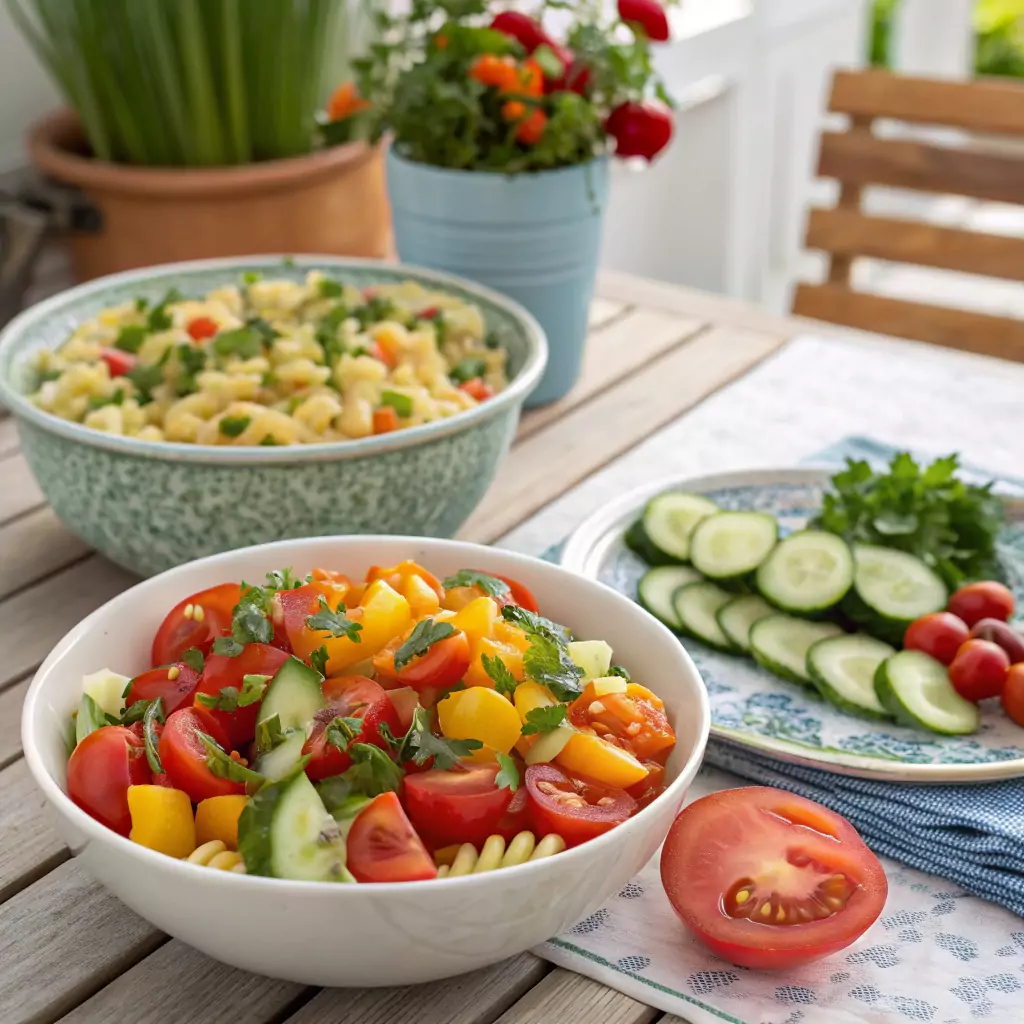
pixel 658 587
pixel 731 545
pixel 670 519
pixel 915 689
pixel 285 831
pixel 843 669
pixel 891 589
pixel 807 573
pixel 780 644
pixel 639 543
pixel 696 606
pixel 548 745
pixel 593 656
pixel 294 695
pixel 739 615
pixel 277 764
pixel 107 689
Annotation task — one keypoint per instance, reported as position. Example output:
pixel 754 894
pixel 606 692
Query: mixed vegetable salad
pixel 861 605
pixel 395 729
pixel 274 362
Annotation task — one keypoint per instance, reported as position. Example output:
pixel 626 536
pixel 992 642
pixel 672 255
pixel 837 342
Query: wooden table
pixel 71 952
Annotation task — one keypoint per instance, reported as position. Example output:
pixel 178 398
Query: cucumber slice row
pixel 843 669
pixel 294 695
pixel 697 605
pixel 739 615
pixel 915 689
pixel 658 587
pixel 670 519
pixel 807 573
pixel 780 644
pixel 730 545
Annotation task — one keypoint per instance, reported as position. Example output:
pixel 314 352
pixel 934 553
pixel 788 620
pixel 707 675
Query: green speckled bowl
pixel 150 506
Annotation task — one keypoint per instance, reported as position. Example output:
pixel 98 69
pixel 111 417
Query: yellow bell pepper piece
pixel 638 692
pixel 476 674
pixel 384 614
pixel 162 820
pixel 589 755
pixel 421 597
pixel 477 619
pixel 513 636
pixel 480 714
pixel 529 696
pixel 217 818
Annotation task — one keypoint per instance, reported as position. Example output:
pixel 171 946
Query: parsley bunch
pixel 547 661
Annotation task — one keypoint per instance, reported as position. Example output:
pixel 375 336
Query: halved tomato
pixel 769 880
pixel 650 788
pixel 635 719
pixel 574 808
pixel 520 595
pixel 158 682
pixel 195 622
pixel 461 805
pixel 443 665
pixel 459 597
pixel 101 769
pixel 383 847
pixel 348 697
pixel 183 754
pixel 297 606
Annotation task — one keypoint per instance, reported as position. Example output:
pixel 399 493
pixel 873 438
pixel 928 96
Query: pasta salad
pixel 401 728
pixel 274 362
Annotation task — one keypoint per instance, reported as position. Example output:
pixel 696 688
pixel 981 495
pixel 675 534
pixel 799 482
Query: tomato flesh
pixel 183 629
pixel 574 808
pixel 442 666
pixel 634 721
pixel 299 604
pixel 382 846
pixel 157 683
pixel 101 769
pixel 769 880
pixel 183 754
pixel 461 805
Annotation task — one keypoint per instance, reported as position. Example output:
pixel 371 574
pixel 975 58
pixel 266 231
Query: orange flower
pixel 496 72
pixel 344 102
pixel 441 41
pixel 531 78
pixel 532 129
pixel 514 110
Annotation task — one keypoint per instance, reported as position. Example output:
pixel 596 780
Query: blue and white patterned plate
pixel 749 706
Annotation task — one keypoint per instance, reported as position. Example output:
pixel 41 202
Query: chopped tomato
pixel 118 363
pixel 458 597
pixel 383 355
pixel 430 313
pixel 476 388
pixel 442 666
pixel 174 684
pixel 516 818
pixel 202 327
pixel 183 754
pixel 385 420
pixel 397 577
pixel 348 697
pixel 405 701
pixel 299 604
pixel 769 880
pixel 650 788
pixel 630 719
pixel 101 769
pixel 382 846
pixel 195 622
pixel 520 595
pixel 572 807
pixel 238 726
pixel 461 805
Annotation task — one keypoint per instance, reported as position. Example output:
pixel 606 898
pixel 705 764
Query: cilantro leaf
pixel 341 732
pixel 234 426
pixel 531 622
pixel 194 659
pixel 508 777
pixel 318 660
pixel 224 766
pixel 334 622
pixel 231 698
pixel 618 670
pixel 549 664
pixel 154 713
pixel 504 681
pixel 490 585
pixel 420 745
pixel 426 633
pixel 544 719
pixel 130 339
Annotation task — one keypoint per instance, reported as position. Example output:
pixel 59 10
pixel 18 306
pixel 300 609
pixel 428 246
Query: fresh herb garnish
pixel 194 659
pixel 504 681
pixel 341 732
pixel 490 585
pixel 402 404
pixel 192 360
pixel 141 304
pixel 372 772
pixel 234 426
pixel 224 766
pixel 283 579
pixel 269 442
pixel 547 661
pixel 618 670
pixel 531 622
pixel 42 376
pixel 508 777
pixel 318 660
pixel 426 633
pixel 420 744
pixel 130 339
pixel 99 402
pixel 269 733
pixel 467 369
pixel 246 342
pixel 328 289
pixel 154 713
pixel 373 311
pixel 337 623
pixel 159 319
pixel 327 334
pixel 145 379
pixel 249 622
pixel 492 341
pixel 251 277
pixel 544 719
pixel 135 712
pixel 231 698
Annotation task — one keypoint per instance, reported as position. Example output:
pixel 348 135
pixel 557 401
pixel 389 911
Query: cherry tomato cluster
pixel 973 639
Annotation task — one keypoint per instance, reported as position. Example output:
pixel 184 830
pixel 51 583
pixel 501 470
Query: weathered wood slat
pixel 11 700
pixel 179 985
pixel 18 490
pixel 859 158
pixel 551 461
pixel 986 105
pixel 624 346
pixel 29 846
pixel 471 999
pixel 602 311
pixel 34 546
pixel 903 241
pixel 566 998
pixel 950 328
pixel 61 940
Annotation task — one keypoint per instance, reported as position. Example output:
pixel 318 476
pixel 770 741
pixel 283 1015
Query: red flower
pixel 647 16
pixel 639 130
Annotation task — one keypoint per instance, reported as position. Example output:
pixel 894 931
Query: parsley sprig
pixel 547 661
pixel 504 682
pixel 490 585
pixel 342 732
pixel 544 719
pixel 508 777
pixel 420 744
pixel 231 698
pixel 423 637
pixel 250 620
pixel 372 773
pixel 337 623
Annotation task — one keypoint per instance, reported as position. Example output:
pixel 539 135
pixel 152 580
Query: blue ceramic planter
pixel 534 237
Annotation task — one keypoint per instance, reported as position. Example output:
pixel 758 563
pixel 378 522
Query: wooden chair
pixel 859 158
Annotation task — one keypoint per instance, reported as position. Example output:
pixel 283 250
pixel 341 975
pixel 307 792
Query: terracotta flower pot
pixel 333 201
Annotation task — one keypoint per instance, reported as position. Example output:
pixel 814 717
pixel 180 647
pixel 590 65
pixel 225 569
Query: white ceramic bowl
pixel 357 935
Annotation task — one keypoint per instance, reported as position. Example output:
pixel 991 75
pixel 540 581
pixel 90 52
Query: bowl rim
pixel 64 806
pixel 176 451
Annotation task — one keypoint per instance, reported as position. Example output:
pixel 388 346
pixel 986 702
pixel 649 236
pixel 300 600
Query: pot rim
pixel 598 160
pixel 332 451
pixel 51 138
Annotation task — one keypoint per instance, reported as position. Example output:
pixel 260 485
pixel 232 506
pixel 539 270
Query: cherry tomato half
pixel 518 594
pixel 977 601
pixel 635 719
pixel 938 635
pixel 157 682
pixel 348 697
pixel 574 808
pixel 650 788
pixel 443 665
pixel 382 846
pixel 1003 634
pixel 461 805
pixel 1013 694
pixel 202 327
pixel 180 631
pixel 299 604
pixel 118 363
pixel 979 670
pixel 220 671
pixel 183 754
pixel 101 769
pixel 769 880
